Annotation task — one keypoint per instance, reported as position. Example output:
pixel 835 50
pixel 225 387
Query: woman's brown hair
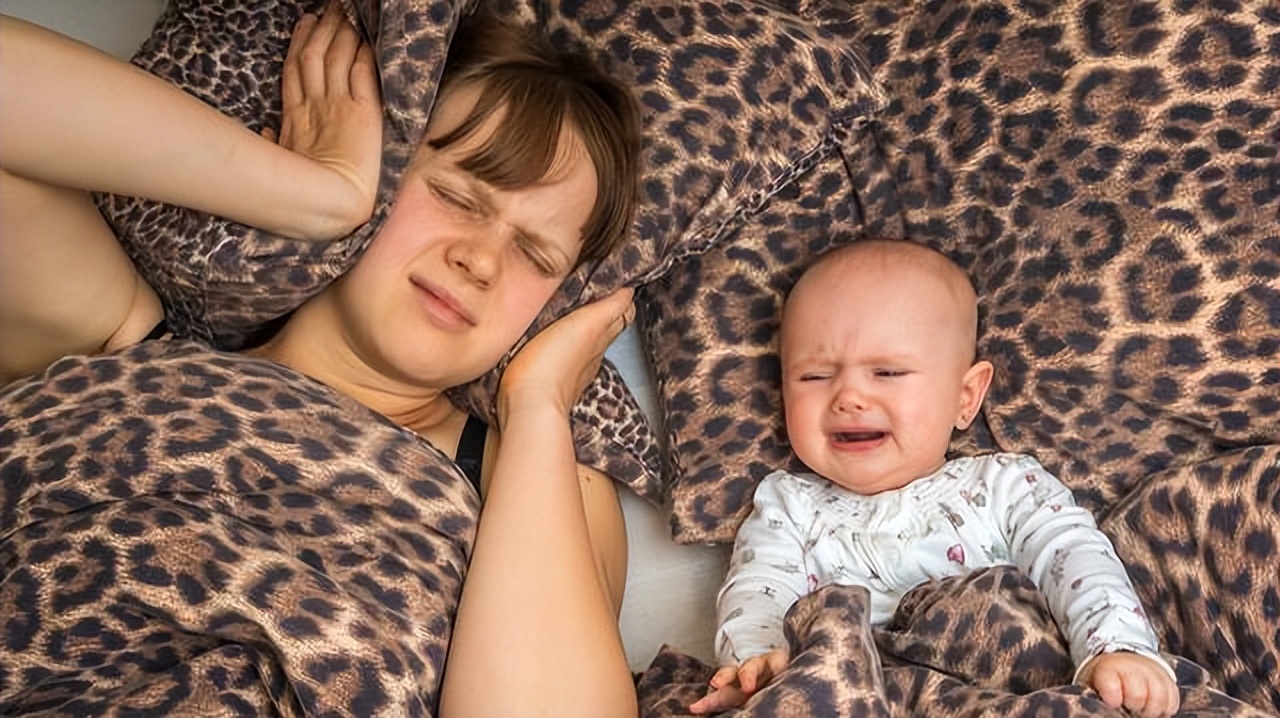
pixel 540 88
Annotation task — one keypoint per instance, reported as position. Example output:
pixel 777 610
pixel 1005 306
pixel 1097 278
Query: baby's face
pixel 876 373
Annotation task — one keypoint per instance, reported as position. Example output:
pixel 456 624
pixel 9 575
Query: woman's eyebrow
pixel 483 193
pixel 480 190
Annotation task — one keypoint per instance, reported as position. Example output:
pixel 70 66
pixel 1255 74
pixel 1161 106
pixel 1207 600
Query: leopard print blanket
pixel 189 532
pixel 1055 149
pixel 185 532
pixel 986 645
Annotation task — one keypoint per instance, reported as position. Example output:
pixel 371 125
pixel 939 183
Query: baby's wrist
pixel 1084 671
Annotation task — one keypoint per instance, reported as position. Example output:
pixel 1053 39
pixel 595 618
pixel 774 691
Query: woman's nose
pixel 477 253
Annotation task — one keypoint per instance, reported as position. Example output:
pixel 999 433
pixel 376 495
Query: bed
pixel 670 600
pixel 1133 309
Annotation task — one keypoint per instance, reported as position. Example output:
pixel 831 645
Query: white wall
pixel 116 26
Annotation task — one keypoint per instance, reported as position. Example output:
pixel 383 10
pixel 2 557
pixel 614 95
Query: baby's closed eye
pixel 890 373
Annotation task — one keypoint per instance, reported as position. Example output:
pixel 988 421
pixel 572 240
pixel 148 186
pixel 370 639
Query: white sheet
pixel 671 588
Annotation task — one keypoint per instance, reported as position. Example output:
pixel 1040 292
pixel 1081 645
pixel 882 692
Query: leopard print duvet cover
pixel 986 645
pixel 187 532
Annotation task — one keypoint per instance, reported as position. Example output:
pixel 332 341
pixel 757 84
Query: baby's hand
pixel 732 686
pixel 1134 681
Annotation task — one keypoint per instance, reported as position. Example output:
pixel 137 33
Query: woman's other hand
pixel 332 111
pixel 557 364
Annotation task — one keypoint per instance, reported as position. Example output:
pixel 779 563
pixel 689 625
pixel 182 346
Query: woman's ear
pixel 973 389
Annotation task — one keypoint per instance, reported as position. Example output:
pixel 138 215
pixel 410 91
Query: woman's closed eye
pixel 530 249
pixel 454 198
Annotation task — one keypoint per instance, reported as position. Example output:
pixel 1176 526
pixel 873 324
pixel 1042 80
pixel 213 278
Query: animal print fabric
pixel 985 644
pixel 186 532
pixel 227 284
pixel 738 98
pixel 1106 172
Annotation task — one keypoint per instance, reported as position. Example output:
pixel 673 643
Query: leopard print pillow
pixel 223 282
pixel 1107 173
pixel 738 99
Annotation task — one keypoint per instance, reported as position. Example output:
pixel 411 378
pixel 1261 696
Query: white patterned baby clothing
pixel 975 512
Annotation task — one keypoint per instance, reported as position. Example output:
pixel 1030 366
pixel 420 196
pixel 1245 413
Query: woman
pixel 518 180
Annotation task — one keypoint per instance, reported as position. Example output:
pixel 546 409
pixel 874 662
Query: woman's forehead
pixel 451 108
pixel 455 105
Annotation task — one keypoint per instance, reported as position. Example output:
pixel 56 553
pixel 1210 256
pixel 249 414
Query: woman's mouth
pixel 442 308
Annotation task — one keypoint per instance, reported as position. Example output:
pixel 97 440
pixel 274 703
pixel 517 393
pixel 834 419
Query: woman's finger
pixel 316 51
pixel 291 73
pixel 340 56
pixel 608 314
pixel 364 76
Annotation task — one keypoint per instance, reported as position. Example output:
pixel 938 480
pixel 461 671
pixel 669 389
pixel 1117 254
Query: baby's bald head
pixel 894 262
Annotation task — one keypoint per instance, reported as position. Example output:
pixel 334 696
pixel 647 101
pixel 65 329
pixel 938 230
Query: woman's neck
pixel 311 346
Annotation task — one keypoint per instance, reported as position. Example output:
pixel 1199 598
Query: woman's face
pixel 460 268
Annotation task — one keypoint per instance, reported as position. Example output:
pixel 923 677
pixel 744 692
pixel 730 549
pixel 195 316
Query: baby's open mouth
pixel 849 437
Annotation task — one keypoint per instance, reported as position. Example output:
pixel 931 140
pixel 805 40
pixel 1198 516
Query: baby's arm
pixel 766 576
pixel 1058 544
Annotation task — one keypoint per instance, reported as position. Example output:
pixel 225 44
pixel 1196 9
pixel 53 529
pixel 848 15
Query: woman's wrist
pixel 534 407
pixel 344 211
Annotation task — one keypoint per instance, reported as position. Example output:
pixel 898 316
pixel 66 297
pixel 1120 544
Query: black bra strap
pixel 470 454
pixel 158 331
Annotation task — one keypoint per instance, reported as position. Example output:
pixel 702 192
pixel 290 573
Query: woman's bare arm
pixel 537 631
pixel 74 117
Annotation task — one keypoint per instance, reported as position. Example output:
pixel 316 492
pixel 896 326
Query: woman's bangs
pixel 521 148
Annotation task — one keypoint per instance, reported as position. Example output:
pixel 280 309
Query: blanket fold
pixel 985 644
pixel 190 532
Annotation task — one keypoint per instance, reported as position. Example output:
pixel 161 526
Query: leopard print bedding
pixel 1107 172
pixel 196 533
pixel 228 284
pixel 985 645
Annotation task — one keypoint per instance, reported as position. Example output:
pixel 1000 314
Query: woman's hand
pixel 733 686
pixel 332 111
pixel 557 364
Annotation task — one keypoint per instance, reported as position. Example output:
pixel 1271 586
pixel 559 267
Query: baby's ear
pixel 973 390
